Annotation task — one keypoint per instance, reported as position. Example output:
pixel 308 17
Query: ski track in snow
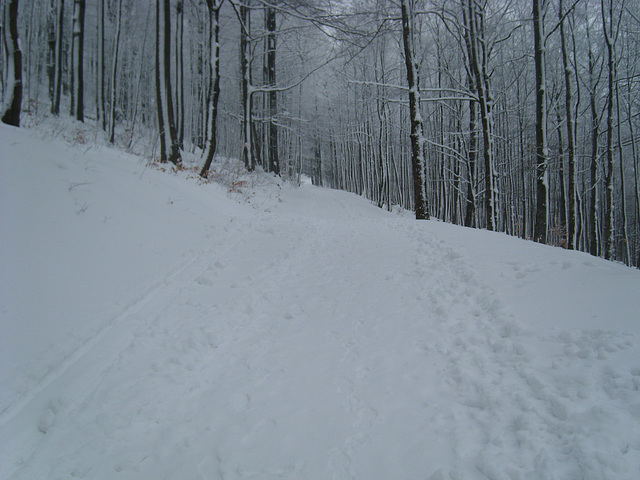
pixel 237 355
pixel 349 346
pixel 76 355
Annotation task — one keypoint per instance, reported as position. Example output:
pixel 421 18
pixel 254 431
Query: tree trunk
pixel 478 60
pixel 634 160
pixel 114 68
pixel 57 82
pixel 77 55
pixel 51 50
pixel 12 102
pixel 101 113
pixel 169 150
pixel 417 129
pixel 180 73
pixel 470 214
pixel 593 168
pixel 214 15
pixel 542 209
pixel 571 149
pixel 272 150
pixel 247 89
pixel 623 200
pixel 561 227
pixel 609 243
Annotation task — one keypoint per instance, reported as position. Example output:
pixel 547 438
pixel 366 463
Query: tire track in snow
pixel 144 322
pixel 216 350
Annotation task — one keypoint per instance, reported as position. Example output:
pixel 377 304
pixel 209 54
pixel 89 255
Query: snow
pixel 155 327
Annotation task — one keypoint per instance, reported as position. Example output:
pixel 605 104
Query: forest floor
pixel 157 327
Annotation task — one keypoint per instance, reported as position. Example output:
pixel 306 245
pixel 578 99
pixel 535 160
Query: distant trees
pixel 516 116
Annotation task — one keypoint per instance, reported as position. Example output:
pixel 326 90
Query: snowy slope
pixel 156 328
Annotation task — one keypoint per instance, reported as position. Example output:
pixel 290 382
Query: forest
pixel 507 115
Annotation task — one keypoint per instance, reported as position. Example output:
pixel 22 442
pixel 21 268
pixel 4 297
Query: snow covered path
pixel 303 335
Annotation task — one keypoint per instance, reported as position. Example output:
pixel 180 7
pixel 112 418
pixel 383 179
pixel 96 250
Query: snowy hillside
pixel 153 327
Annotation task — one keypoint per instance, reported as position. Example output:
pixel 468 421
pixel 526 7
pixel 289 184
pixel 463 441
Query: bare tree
pixel 77 61
pixel 114 76
pixel 272 96
pixel 169 150
pixel 609 217
pixel 470 212
pixel 180 73
pixel 101 114
pixel 478 59
pixel 417 125
pixel 12 102
pixel 248 145
pixel 479 133
pixel 542 153
pixel 57 75
pixel 212 139
pixel 594 79
pixel 570 120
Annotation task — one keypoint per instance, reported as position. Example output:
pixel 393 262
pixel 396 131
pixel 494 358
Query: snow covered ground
pixel 153 327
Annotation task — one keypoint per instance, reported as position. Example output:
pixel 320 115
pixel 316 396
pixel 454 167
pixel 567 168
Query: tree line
pixel 517 116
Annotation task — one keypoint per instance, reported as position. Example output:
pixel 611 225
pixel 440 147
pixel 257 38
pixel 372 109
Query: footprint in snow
pixel 47 419
pixel 240 401
pixel 204 281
